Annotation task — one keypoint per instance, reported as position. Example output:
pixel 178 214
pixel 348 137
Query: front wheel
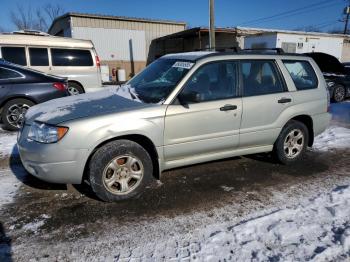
pixel 120 170
pixel 292 142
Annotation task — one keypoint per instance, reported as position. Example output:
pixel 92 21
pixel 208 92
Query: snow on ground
pixel 9 185
pixel 8 142
pixel 333 138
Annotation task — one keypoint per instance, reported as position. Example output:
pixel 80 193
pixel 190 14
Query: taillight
pixel 98 63
pixel 60 86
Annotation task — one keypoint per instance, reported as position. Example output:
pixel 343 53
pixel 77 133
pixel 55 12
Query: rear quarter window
pixel 7 74
pixel 302 73
pixel 71 57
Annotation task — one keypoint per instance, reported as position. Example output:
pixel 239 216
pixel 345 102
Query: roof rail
pixel 278 50
pixel 30 32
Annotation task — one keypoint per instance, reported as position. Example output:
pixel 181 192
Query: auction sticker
pixel 185 65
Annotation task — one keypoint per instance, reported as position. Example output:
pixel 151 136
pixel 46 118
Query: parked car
pixel 74 59
pixel 346 64
pixel 181 110
pixel 21 88
pixel 336 74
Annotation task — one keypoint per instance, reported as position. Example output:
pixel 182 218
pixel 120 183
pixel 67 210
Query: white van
pixel 72 58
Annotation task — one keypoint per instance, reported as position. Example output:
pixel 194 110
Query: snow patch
pixel 36 224
pixel 333 137
pixel 8 144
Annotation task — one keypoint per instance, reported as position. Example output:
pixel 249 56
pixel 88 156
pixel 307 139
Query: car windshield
pixel 158 80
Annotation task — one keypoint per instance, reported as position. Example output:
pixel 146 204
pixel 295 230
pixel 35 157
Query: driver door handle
pixel 228 107
pixel 284 100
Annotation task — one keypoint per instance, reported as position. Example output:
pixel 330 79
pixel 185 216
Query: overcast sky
pixel 323 14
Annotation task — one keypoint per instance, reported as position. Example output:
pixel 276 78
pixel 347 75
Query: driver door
pixel 210 124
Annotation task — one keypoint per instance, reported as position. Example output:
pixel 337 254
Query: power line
pixel 297 11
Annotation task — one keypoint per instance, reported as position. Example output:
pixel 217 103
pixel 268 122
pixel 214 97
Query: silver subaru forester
pixel 182 109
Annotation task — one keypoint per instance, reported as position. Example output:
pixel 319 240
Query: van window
pixel 6 74
pixel 71 57
pixel 38 57
pixel 302 73
pixel 15 55
pixel 260 77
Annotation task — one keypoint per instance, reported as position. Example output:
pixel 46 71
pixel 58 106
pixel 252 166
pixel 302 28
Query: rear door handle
pixel 228 107
pixel 284 100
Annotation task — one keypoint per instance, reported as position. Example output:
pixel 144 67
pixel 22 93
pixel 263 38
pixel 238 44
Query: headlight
pixel 47 134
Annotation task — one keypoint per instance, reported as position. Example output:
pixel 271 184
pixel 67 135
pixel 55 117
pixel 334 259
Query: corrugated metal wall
pixel 152 29
pixel 115 44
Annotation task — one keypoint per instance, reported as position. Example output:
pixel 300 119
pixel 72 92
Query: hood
pixel 91 104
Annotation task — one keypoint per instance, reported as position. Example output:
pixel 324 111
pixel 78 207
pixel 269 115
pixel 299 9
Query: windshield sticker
pixel 185 65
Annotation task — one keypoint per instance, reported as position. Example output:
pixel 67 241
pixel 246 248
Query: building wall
pixel 345 56
pixel 261 41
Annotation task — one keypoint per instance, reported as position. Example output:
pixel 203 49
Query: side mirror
pixel 189 97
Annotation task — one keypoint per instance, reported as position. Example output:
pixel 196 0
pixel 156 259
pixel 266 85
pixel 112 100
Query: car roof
pixel 198 55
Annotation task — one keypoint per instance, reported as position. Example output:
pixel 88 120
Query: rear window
pixel 38 57
pixel 15 55
pixel 302 73
pixel 6 74
pixel 71 57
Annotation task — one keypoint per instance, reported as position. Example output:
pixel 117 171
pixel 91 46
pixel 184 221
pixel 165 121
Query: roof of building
pixel 112 17
pixel 268 31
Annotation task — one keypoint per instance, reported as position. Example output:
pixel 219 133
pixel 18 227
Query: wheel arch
pixel 308 122
pixel 142 140
pixel 78 83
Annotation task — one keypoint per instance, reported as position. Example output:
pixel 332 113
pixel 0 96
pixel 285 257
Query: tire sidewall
pixel 6 107
pixel 279 145
pixel 102 158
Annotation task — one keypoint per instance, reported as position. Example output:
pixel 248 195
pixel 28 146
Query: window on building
pixel 289 47
pixel 71 57
pixel 214 81
pixel 302 73
pixel 38 57
pixel 260 77
pixel 15 55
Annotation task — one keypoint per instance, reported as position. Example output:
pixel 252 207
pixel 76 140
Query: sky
pixel 228 13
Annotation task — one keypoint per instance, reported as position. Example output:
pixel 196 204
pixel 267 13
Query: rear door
pixel 210 125
pixel 265 97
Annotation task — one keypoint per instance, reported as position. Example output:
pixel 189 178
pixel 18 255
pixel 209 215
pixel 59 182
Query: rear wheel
pixel 75 89
pixel 338 93
pixel 120 170
pixel 13 113
pixel 292 142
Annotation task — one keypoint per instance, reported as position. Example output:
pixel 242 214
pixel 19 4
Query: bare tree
pixel 25 17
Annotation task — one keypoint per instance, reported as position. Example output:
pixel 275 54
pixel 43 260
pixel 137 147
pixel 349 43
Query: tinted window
pixel 15 55
pixel 38 57
pixel 214 81
pixel 302 73
pixel 71 57
pixel 260 77
pixel 8 74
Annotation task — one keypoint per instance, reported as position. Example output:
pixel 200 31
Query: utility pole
pixel 347 13
pixel 211 26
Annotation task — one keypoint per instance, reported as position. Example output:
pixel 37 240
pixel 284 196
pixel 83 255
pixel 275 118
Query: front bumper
pixel 54 163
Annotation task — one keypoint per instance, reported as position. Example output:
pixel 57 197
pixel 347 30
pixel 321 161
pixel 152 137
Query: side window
pixel 38 57
pixel 15 55
pixel 213 81
pixel 302 73
pixel 71 57
pixel 260 77
pixel 6 74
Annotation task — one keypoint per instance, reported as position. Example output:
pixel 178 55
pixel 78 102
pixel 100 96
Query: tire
pixel 75 89
pixel 288 151
pixel 13 113
pixel 110 174
pixel 339 93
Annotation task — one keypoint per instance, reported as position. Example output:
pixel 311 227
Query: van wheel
pixel 75 89
pixel 291 143
pixel 120 170
pixel 13 113
pixel 338 93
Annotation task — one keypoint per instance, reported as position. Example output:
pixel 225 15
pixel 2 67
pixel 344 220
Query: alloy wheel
pixel 294 143
pixel 15 114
